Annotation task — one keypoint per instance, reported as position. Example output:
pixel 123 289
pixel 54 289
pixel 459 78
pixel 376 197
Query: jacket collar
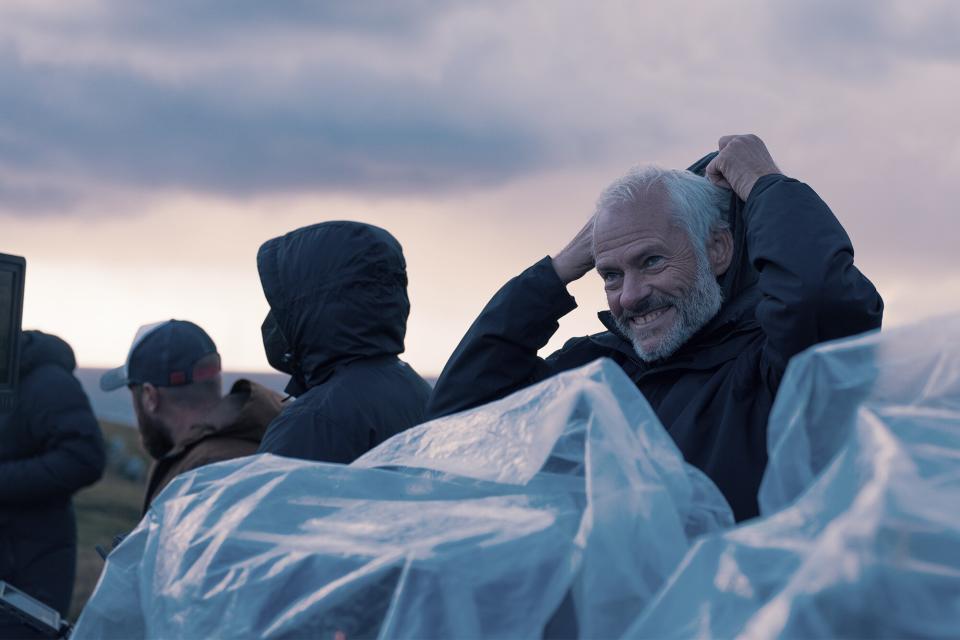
pixel 244 413
pixel 706 349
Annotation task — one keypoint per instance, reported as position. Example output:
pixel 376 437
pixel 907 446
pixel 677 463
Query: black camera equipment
pixel 12 269
pixel 32 613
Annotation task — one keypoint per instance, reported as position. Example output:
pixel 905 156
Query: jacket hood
pixel 38 348
pixel 741 275
pixel 338 292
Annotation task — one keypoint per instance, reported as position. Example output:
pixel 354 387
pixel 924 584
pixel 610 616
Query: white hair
pixel 700 206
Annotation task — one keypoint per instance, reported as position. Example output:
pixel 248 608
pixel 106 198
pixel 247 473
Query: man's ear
pixel 720 250
pixel 149 398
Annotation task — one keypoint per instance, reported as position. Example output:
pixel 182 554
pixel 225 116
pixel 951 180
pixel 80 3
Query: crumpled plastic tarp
pixel 861 498
pixel 564 507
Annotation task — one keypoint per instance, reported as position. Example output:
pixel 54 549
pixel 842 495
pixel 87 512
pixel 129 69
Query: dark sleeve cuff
pixel 545 287
pixel 764 183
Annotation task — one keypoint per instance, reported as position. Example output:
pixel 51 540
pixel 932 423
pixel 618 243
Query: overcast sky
pixel 148 148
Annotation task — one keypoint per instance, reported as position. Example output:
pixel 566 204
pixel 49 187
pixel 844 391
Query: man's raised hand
pixel 743 159
pixel 575 259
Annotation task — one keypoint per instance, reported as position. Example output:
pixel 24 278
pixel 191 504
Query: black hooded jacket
pixel 791 284
pixel 338 316
pixel 50 447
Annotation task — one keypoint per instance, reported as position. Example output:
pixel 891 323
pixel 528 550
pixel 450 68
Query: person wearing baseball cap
pixel 174 376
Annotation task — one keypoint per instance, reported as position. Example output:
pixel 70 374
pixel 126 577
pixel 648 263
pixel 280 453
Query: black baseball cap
pixel 165 354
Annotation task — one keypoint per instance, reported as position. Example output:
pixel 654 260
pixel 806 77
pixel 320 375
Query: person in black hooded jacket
pixel 710 295
pixel 50 448
pixel 338 315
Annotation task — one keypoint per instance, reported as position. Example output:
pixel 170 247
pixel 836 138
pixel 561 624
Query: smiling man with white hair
pixel 673 295
pixel 710 294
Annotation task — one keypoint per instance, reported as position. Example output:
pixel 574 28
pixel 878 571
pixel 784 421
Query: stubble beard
pixel 154 435
pixel 155 438
pixel 693 312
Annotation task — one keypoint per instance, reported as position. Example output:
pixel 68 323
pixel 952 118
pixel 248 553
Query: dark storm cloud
pixel 177 18
pixel 328 128
pixel 252 97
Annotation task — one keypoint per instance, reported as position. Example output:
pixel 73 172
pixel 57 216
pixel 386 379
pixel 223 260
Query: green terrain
pixel 107 508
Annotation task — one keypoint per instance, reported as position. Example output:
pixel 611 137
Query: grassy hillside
pixel 107 508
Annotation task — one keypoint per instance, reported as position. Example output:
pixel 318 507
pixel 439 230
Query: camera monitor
pixel 12 270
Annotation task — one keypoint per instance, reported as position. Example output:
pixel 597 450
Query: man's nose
pixel 636 290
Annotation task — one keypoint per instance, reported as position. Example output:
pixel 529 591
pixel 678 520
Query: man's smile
pixel 646 320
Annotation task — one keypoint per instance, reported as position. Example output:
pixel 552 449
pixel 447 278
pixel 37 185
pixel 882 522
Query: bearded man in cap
pixel 173 373
pixel 713 284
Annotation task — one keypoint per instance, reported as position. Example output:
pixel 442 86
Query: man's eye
pixel 610 276
pixel 652 261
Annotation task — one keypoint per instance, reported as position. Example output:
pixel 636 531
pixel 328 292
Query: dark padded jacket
pixel 50 447
pixel 792 284
pixel 338 293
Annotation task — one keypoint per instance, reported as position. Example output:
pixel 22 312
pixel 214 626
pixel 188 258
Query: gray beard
pixel 693 311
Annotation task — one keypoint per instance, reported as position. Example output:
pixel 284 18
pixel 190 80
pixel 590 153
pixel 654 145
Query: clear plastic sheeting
pixel 561 509
pixel 899 377
pixel 861 534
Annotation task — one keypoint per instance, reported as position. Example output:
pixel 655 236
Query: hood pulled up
pixel 38 348
pixel 337 292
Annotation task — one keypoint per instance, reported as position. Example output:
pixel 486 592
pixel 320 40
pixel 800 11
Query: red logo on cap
pixel 206 372
pixel 178 377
